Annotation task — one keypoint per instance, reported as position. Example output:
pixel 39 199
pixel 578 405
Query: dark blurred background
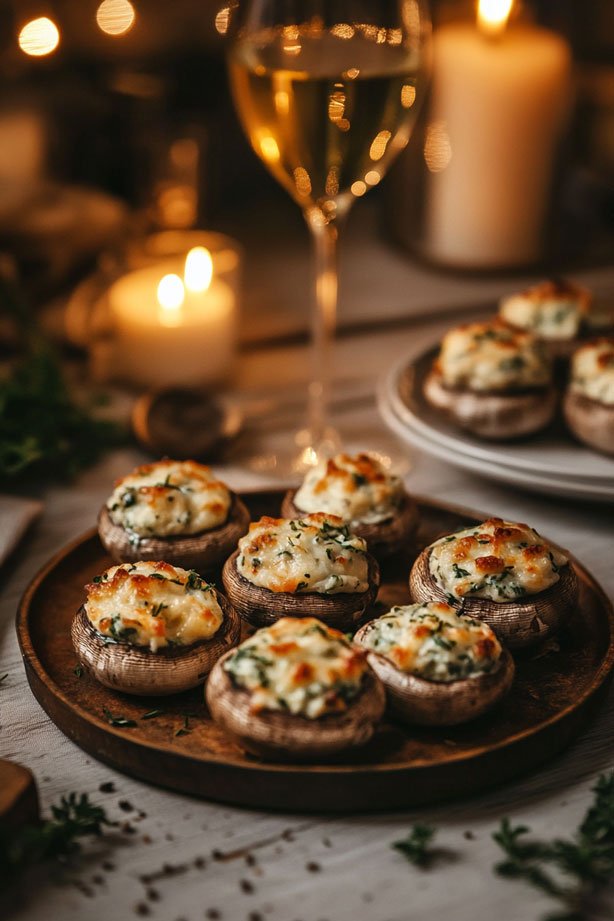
pixel 107 104
pixel 134 102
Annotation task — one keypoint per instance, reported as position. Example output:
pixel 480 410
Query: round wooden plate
pixel 556 689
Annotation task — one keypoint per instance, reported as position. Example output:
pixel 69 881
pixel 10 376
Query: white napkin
pixel 16 516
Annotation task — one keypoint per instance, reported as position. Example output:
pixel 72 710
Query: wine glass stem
pixel 324 317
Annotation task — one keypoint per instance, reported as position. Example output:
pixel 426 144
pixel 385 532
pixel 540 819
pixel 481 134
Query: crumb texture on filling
pixel 499 560
pixel 433 641
pixel 592 371
pixel 316 553
pixel 356 488
pixel 552 309
pixel 169 498
pixel 492 356
pixel 300 666
pixel 153 605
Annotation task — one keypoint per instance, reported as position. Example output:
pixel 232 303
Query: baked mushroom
pixel 296 691
pixel 359 490
pixel 589 401
pixel 175 511
pixel 502 573
pixel 152 629
pixel 439 667
pixel 293 567
pixel 556 311
pixel 493 381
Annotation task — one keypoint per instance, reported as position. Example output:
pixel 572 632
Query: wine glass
pixel 327 92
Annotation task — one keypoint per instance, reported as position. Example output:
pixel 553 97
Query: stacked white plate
pixel 549 462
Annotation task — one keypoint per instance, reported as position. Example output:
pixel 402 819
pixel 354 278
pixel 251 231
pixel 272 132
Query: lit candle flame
pixel 39 37
pixel 493 16
pixel 171 295
pixel 198 269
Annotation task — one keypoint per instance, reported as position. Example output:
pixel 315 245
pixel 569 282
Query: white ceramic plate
pixel 534 482
pixel 552 452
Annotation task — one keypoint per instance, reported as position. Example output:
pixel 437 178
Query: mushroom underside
pixel 590 421
pixel 261 607
pixel 282 736
pixel 137 670
pixel 490 414
pixel 517 623
pixel 201 552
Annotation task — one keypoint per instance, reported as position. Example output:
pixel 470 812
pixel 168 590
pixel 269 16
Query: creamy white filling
pixel 357 489
pixel 300 666
pixel 316 553
pixel 556 318
pixel 499 560
pixel 169 498
pixel 592 373
pixel 434 642
pixel 491 356
pixel 153 605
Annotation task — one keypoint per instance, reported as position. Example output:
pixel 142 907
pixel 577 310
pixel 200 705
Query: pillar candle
pixel 499 104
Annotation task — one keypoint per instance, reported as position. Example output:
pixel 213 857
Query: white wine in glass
pixel 327 93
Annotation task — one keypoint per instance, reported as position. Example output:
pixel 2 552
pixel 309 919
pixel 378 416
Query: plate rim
pixel 499 472
pixel 388 385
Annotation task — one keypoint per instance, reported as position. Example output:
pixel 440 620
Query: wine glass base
pixel 287 459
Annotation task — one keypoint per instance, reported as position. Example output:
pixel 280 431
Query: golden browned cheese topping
pixel 153 605
pixel 356 488
pixel 299 666
pixel 169 498
pixel 492 356
pixel 592 371
pixel 316 553
pixel 434 642
pixel 552 310
pixel 499 560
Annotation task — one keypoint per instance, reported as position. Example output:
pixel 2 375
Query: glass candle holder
pixel 165 314
pixel 501 96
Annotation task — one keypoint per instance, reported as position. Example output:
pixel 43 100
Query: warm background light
pixel 222 19
pixel 198 269
pixel 493 15
pixel 115 17
pixel 171 295
pixel 39 37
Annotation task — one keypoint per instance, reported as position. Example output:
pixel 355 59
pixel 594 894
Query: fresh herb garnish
pixel 97 579
pixel 415 847
pixel 78 670
pixel 571 871
pixel 194 582
pixel 459 572
pixel 75 817
pixel 151 714
pixel 118 719
pixel 185 729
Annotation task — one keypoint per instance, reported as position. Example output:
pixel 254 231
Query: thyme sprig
pixel 75 817
pixel 572 871
pixel 416 846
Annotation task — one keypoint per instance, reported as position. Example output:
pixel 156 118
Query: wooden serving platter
pixel 557 688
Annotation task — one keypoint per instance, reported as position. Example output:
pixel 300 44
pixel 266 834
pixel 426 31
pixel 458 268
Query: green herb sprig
pixel 75 817
pixel 416 846
pixel 569 870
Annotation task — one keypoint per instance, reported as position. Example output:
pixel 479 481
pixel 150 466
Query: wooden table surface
pixel 178 858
